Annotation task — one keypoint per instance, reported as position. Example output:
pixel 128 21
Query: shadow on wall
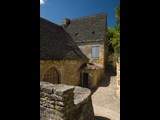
pixel 101 118
pixel 111 70
pixel 106 79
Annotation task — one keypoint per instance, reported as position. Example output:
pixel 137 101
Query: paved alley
pixel 105 102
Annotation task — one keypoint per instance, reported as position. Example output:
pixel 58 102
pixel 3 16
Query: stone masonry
pixel 118 77
pixel 87 50
pixel 69 70
pixel 63 102
pixel 95 76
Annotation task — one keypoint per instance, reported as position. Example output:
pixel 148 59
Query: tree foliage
pixel 114 34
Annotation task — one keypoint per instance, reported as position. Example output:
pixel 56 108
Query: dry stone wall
pixel 63 102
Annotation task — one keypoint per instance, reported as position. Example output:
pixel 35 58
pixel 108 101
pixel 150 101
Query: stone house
pixel 60 57
pixel 89 33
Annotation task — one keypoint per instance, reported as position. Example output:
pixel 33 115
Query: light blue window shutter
pixel 95 51
pixel 96 55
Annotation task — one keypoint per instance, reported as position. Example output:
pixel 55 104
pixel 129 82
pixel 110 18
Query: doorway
pixel 85 80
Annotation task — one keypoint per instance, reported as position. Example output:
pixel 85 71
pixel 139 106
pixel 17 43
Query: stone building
pixel 60 57
pixel 89 33
pixel 73 53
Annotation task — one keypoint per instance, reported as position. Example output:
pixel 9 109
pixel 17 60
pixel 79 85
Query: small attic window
pixel 93 32
pixel 76 34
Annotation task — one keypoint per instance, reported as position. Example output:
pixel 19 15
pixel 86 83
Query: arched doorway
pixel 51 76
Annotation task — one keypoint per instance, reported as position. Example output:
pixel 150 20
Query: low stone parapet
pixel 64 102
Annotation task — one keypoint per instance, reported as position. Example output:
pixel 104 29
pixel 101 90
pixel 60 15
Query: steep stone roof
pixel 56 43
pixel 88 29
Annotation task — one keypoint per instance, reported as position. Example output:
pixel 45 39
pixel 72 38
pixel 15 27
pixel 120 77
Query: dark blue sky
pixel 56 10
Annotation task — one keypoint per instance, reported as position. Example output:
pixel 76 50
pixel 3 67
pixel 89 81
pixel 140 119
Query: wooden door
pixel 51 76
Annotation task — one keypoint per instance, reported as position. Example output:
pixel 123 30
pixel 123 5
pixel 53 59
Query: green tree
pixel 110 35
pixel 114 34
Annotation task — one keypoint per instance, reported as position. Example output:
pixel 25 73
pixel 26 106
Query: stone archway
pixel 51 76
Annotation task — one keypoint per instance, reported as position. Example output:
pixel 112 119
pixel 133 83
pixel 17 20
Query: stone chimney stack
pixel 66 22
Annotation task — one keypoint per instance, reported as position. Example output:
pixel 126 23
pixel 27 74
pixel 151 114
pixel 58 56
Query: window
pixel 95 52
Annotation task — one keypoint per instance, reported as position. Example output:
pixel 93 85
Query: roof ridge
pixel 90 16
pixel 50 22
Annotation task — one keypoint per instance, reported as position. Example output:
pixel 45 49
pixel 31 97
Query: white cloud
pixel 42 1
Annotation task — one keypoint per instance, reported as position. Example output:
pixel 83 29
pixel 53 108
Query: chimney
pixel 66 22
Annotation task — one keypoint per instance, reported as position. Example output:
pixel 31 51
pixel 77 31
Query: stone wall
pixel 68 70
pixel 63 102
pixel 87 50
pixel 95 76
pixel 118 77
